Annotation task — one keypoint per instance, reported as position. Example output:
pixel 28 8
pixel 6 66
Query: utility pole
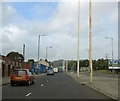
pixel 78 40
pixel 90 44
pixel 38 46
pixel 47 50
pixel 66 65
pixel 63 65
pixel 23 54
pixel 112 54
pixel 112 49
pixel 106 55
pixel 67 51
pixel 24 51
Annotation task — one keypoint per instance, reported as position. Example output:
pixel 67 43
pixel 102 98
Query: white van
pixel 55 70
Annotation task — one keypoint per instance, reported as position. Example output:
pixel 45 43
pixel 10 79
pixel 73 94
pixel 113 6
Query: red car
pixel 22 76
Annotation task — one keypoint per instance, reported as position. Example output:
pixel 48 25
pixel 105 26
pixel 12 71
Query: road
pixel 59 86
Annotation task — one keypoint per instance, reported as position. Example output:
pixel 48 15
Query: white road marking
pixel 47 80
pixel 28 94
pixel 41 84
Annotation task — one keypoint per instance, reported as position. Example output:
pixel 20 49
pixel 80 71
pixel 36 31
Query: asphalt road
pixel 59 86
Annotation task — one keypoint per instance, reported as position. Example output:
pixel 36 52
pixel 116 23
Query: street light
pixel 23 54
pixel 39 45
pixel 47 50
pixel 112 47
pixel 90 43
pixel 78 41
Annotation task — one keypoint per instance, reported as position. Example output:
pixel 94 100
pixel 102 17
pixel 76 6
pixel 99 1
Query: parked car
pixel 22 76
pixel 50 72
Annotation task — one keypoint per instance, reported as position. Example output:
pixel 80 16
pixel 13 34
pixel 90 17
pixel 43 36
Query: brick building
pixel 7 65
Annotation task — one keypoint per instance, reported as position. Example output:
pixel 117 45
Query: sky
pixel 23 22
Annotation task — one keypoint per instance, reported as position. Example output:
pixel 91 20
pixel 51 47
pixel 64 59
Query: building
pixel 41 67
pixel 7 65
pixel 43 62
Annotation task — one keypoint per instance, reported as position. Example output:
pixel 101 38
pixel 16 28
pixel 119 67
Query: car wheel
pixel 12 84
pixel 28 83
pixel 33 82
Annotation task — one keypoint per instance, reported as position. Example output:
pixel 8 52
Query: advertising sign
pixel 114 64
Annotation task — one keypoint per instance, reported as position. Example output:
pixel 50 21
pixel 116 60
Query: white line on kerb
pixel 28 94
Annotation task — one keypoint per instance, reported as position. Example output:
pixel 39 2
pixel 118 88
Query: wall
pixel 9 65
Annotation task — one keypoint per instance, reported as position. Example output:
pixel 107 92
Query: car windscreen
pixel 20 72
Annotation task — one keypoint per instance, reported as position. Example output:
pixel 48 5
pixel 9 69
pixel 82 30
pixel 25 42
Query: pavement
pixel 106 85
pixel 6 80
pixel 58 86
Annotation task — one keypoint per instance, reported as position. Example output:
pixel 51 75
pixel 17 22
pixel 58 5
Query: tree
pixel 31 61
pixel 100 64
pixel 72 64
pixel 15 55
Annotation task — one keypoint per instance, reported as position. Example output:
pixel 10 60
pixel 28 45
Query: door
pixel 8 70
pixel 3 69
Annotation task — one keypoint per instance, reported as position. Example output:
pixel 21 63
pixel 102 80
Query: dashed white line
pixel 28 94
pixel 41 84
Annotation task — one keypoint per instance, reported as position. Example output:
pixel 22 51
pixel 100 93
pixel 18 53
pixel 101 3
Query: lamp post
pixel 23 54
pixel 66 65
pixel 90 43
pixel 39 45
pixel 112 48
pixel 78 41
pixel 47 50
pixel 63 65
pixel 39 48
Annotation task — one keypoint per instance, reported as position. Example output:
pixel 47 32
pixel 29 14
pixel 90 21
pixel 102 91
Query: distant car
pixel 22 76
pixel 60 69
pixel 55 70
pixel 50 72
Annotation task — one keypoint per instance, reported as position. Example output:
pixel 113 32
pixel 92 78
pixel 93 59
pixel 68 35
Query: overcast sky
pixel 23 22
